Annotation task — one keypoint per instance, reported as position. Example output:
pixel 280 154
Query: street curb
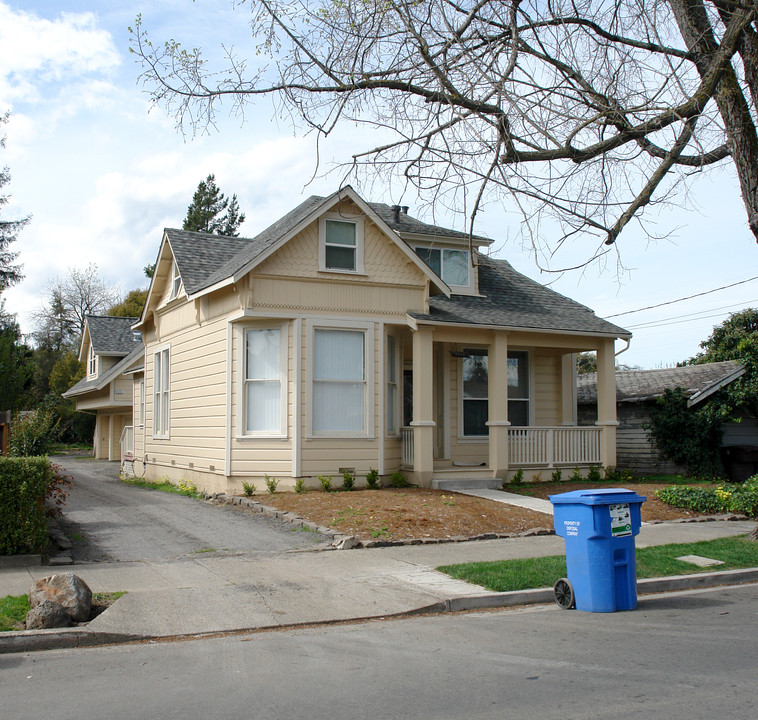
pixel 56 639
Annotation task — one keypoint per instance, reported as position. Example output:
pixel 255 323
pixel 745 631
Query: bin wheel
pixel 564 594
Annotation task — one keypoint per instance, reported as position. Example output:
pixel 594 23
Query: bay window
pixel 264 381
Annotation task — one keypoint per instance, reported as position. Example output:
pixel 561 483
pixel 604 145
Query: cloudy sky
pixel 102 174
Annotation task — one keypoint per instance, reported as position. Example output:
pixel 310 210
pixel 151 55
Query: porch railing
pixel 127 443
pixel 537 446
pixel 550 446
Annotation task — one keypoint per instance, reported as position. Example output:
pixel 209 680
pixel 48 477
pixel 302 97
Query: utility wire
pixel 693 316
pixel 689 297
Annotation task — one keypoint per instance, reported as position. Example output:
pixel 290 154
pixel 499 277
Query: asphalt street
pixel 110 520
pixel 685 656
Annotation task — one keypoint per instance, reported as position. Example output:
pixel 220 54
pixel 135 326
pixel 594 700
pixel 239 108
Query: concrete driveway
pixel 108 520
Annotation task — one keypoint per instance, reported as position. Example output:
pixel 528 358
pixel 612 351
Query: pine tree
pixel 211 212
pixel 10 274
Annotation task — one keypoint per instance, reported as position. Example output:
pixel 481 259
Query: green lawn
pixel 505 575
pixel 13 609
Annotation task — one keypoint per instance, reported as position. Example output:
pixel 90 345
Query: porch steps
pixel 440 482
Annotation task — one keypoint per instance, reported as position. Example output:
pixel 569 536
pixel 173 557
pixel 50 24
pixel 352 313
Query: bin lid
pixel 601 496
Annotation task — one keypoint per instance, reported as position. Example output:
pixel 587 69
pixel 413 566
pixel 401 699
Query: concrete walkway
pixel 524 501
pixel 217 592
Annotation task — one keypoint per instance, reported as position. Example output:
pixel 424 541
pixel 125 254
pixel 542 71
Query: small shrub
pixel 32 433
pixel 372 479
pixel 188 488
pixel 248 488
pixel 576 476
pixel 271 484
pixel 593 475
pixel 348 480
pixel 518 477
pixel 326 482
pixel 300 486
pixel 556 475
pixel 614 475
pixel 698 499
pixel 398 480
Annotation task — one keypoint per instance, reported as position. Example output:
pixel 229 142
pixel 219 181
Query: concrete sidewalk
pixel 219 593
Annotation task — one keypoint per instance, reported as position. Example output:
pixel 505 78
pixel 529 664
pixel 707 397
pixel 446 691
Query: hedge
pixel 23 483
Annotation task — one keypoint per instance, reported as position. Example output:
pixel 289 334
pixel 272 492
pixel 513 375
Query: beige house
pixel 350 336
pixel 110 349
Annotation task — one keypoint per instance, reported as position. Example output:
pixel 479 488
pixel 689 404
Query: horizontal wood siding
pixel 546 393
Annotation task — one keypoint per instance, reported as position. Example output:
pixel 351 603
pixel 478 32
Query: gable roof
pixel 697 381
pixel 85 386
pixel 512 300
pixel 207 260
pixel 112 335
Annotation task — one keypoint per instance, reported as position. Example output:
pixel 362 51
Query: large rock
pixel 48 614
pixel 66 589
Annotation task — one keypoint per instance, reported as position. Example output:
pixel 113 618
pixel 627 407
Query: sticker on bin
pixel 621 520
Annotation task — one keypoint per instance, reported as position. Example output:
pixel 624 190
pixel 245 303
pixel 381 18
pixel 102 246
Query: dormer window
pixel 92 362
pixel 451 265
pixel 176 280
pixel 341 243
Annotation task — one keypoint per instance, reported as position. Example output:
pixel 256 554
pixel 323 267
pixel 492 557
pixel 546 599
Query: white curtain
pixel 339 388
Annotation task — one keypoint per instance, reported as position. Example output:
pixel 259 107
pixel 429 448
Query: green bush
pixel 372 479
pixel 518 477
pixel 348 480
pixel 248 488
pixel 32 433
pixel 398 480
pixel 326 482
pixel 742 499
pixel 300 486
pixel 576 476
pixel 556 475
pixel 24 482
pixel 593 474
pixel 271 484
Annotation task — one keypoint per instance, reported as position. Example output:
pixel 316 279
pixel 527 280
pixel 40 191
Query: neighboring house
pixel 110 349
pixel 349 336
pixel 637 390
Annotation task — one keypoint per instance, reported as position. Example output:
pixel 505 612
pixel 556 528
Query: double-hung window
pixel 161 392
pixel 392 385
pixel 264 381
pixel 339 382
pixel 451 265
pixel 341 243
pixel 475 391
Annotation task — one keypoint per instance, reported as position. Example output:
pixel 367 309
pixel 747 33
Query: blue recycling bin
pixel 598 528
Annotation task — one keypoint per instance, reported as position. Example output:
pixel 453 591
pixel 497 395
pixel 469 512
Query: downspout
pixel 628 342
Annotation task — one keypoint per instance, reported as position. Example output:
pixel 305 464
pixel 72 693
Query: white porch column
pixel 606 401
pixel 497 389
pixel 568 389
pixel 423 406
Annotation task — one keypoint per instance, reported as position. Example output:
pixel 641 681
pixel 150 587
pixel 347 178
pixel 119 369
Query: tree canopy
pixel 212 212
pixel 131 306
pixel 731 340
pixel 578 111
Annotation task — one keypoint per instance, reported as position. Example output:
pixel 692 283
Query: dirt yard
pixel 402 513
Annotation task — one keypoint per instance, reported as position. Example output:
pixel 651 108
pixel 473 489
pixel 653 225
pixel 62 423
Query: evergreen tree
pixel 10 274
pixel 211 212
pixel 16 368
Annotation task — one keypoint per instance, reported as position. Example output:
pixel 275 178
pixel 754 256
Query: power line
pixel 693 316
pixel 689 297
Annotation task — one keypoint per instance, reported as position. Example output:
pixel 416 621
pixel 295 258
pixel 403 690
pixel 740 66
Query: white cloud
pixel 36 52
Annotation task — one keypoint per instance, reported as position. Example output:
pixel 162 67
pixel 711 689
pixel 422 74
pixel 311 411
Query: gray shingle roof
pixel 205 260
pixel 85 386
pixel 112 335
pixel 513 300
pixel 640 385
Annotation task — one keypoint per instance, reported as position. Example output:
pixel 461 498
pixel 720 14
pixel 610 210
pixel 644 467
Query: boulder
pixel 66 589
pixel 48 614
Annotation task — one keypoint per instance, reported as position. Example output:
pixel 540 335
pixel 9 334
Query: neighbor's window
pixel 176 280
pixel 339 381
pixel 161 390
pixel 341 243
pixel 450 265
pixel 263 382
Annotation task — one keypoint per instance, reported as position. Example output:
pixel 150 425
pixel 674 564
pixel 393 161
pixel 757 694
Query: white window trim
pixel 441 249
pixel 165 430
pixel 530 398
pixel 241 432
pixel 398 387
pixel 176 281
pixel 357 220
pixel 91 362
pixel 367 328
